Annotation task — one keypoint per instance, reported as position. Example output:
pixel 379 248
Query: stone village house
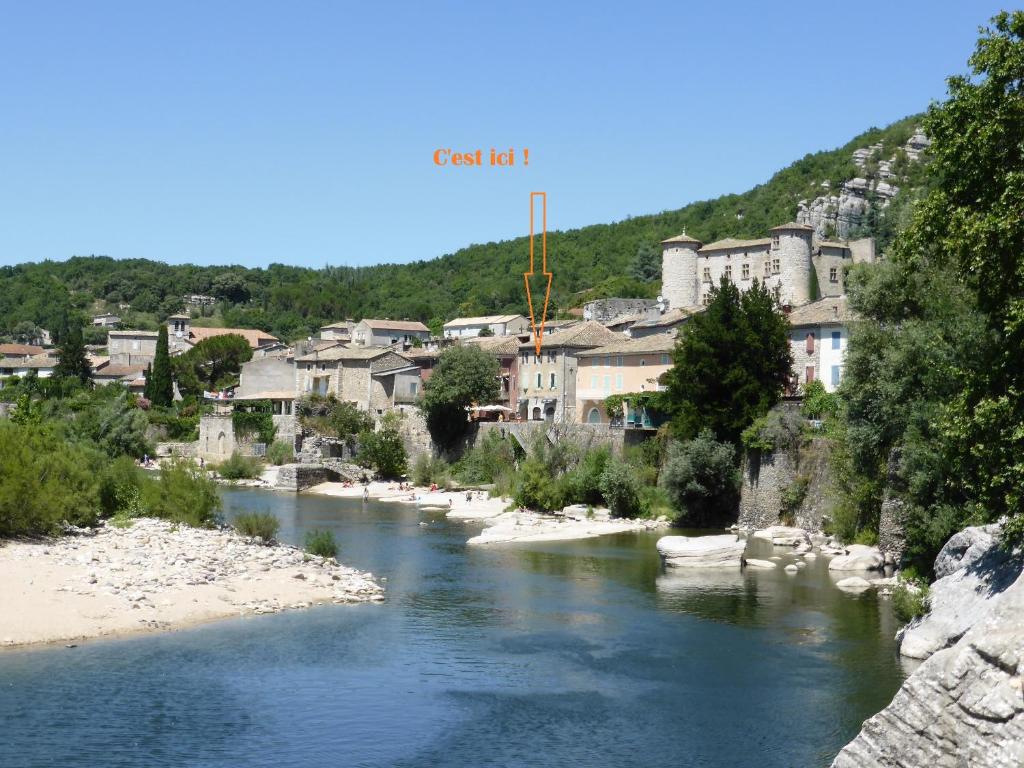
pixel 622 367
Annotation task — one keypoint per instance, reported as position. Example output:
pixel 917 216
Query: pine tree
pixel 72 361
pixel 161 389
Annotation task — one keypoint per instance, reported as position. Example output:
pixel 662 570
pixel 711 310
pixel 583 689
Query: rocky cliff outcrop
pixel 838 212
pixel 964 706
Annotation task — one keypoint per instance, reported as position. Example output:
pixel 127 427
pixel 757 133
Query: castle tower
pixel 791 245
pixel 679 284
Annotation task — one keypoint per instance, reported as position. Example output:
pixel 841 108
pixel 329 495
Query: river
pixel 560 654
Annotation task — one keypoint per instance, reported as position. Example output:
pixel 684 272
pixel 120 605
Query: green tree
pixel 462 376
pixel 72 361
pixel 646 265
pixel 384 450
pixel 212 363
pixel 702 481
pixel 161 389
pixel 730 364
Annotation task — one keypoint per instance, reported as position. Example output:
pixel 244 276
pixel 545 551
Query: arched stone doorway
pixel 594 417
pixel 536 414
pixel 549 413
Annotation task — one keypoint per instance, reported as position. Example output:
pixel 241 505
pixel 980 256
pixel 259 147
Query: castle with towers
pixel 791 261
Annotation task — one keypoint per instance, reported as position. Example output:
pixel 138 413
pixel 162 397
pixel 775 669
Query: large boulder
pixel 701 551
pixel 974 572
pixel 961 707
pixel 783 535
pixel 858 557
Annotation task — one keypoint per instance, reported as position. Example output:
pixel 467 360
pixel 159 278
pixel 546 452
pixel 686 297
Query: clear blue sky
pixel 303 132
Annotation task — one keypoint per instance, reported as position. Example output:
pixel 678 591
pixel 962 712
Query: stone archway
pixel 536 414
pixel 549 413
pixel 594 417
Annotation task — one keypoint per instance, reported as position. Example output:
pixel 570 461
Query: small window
pixel 664 359
pixel 728 272
pixel 775 241
pixel 552 381
pixel 607 362
pixel 810 343
pixel 413 386
pixel 618 361
pixel 551 357
pixel 809 374
pixel 746 271
pixel 835 375
pixel 836 339
pixel 833 274
pixel 776 266
pixel 767 268
pixel 593 381
pixel 607 383
pixel 707 274
pixel 540 380
pixel 618 382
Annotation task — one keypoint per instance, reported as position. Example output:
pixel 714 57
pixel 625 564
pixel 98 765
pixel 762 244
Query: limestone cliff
pixel 964 706
pixel 844 208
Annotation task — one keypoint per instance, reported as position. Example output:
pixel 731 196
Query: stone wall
pixel 679 278
pixel 603 310
pixel 892 535
pixel 298 477
pixel 216 437
pixel 768 475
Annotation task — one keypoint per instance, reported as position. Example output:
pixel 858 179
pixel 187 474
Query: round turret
pixel 679 284
pixel 791 245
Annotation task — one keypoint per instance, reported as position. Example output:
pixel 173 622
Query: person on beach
pixel 449 503
pixel 366 494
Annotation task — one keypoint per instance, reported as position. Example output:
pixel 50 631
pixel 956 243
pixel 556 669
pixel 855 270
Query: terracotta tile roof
pixel 829 311
pixel 832 244
pixel 119 371
pixel 731 243
pixel 656 342
pixel 792 225
pixel 588 334
pixel 133 333
pixel 396 325
pixel 495 345
pixel 20 350
pixel 36 361
pixel 253 336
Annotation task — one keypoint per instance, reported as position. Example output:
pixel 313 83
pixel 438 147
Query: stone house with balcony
pixel 818 340
pixel 504 349
pixel 375 379
pixel 623 367
pixel 547 381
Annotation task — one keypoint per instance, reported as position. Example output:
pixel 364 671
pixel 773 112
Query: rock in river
pixel 701 551
pixel 858 558
pixel 753 562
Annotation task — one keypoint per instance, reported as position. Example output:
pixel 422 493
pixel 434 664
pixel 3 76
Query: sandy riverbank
pixel 153 576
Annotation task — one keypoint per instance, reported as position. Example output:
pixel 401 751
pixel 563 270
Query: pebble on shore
pixel 157 575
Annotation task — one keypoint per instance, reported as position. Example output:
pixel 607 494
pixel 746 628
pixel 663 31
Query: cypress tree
pixel 147 390
pixel 72 362
pixel 161 388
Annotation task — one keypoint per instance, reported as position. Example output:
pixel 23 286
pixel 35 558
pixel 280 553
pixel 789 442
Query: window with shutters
pixel 810 343
pixel 746 271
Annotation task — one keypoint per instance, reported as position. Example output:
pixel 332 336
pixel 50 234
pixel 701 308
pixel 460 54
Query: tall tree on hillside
pixel 72 361
pixel 730 364
pixel 462 376
pixel 212 363
pixel 646 265
pixel 161 389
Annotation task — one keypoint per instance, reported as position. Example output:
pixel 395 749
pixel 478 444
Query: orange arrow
pixel 538 336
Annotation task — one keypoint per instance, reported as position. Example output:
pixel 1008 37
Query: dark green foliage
pixel 701 478
pixel 239 467
pixel 108 418
pixel 780 429
pixel 72 362
pixel 211 364
pixel 254 417
pixel 257 525
pixel 182 494
pixel 646 265
pixel 328 416
pixel 432 469
pixel 731 363
pixel 161 389
pixel 934 377
pixel 179 424
pixel 464 375
pixel 621 490
pixel 818 403
pixel 491 458
pixel 280 452
pixel 910 602
pixel 321 543
pixel 45 480
pixel 384 449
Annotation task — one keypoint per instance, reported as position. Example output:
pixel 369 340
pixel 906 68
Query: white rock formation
pixel 963 707
pixel 973 573
pixel 783 536
pixel 753 562
pixel 701 551
pixel 853 584
pixel 858 558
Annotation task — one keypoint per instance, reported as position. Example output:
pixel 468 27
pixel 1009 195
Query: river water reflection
pixel 560 654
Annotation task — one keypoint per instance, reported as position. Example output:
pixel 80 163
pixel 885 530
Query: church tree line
pixel 617 259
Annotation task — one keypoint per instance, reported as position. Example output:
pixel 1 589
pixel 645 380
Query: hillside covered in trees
pixel 620 259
